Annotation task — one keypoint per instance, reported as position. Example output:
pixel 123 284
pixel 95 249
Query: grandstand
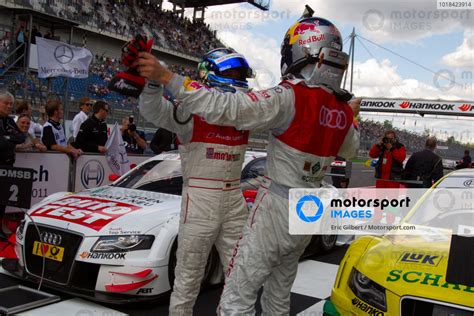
pixel 103 27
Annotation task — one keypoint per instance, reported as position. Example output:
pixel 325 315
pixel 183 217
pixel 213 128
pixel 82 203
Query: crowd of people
pixel 413 142
pixel 255 248
pixel 129 17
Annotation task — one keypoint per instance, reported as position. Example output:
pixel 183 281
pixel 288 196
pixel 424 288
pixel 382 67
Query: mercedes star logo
pixel 63 54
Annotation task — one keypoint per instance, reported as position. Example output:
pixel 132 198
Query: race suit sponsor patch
pixel 212 154
pixel 89 212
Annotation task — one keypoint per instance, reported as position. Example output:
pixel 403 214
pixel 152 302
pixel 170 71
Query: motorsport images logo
pixel 330 211
pixel 308 204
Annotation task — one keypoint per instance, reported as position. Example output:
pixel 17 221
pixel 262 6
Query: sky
pixel 436 45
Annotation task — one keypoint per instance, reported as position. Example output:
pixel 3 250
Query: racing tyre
pixel 320 244
pixel 326 243
pixel 211 265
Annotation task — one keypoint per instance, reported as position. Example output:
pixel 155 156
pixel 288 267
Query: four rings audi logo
pixel 332 118
pixel 51 238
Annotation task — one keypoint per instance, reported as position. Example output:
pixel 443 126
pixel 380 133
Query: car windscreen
pixel 162 176
pixel 443 209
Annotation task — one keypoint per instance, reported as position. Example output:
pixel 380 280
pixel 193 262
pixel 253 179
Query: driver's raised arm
pixel 156 109
pixel 259 110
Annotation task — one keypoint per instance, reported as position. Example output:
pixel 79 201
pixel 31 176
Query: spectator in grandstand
pixel 424 166
pixel 21 37
pixel 10 136
pixel 391 154
pixel 31 142
pixel 135 142
pixel 34 34
pixel 24 108
pixel 53 136
pixel 163 140
pixel 92 135
pixel 85 105
pixel 465 162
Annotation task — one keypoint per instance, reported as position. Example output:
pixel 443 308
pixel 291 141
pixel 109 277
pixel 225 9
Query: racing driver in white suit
pixel 213 208
pixel 310 123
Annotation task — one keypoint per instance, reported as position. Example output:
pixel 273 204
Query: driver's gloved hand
pixel 129 82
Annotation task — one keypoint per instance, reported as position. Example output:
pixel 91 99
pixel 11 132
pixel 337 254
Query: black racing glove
pixel 129 82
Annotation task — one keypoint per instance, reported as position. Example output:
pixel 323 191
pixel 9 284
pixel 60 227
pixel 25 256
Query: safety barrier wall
pixel 56 172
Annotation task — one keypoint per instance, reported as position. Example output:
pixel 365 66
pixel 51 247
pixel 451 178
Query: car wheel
pixel 326 243
pixel 211 265
pixel 319 244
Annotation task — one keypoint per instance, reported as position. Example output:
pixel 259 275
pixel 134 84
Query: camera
pixel 131 127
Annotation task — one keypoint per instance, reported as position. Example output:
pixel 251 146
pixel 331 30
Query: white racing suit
pixel 213 210
pixel 309 127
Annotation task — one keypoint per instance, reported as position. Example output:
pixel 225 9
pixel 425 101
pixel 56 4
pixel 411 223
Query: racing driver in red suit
pixel 213 208
pixel 310 123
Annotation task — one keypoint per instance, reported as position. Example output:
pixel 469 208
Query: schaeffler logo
pixel 465 107
pixel 309 208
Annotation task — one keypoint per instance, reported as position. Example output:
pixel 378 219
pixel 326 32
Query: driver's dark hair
pixel 99 105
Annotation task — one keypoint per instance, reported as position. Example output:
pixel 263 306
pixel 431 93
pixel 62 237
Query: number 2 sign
pixel 15 186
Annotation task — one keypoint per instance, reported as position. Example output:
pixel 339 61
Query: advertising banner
pixel 60 59
pixel 50 173
pixel 93 170
pixel 461 108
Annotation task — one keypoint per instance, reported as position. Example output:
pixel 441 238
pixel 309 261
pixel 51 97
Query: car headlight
pixel 123 243
pixel 367 290
pixel 20 229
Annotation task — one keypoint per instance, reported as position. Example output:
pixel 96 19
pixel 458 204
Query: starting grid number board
pixel 15 186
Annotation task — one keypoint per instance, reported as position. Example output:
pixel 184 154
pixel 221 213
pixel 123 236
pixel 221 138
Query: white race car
pixel 117 243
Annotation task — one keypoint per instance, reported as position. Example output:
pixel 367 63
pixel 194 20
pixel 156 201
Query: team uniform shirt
pixel 93 133
pixel 77 121
pixel 53 134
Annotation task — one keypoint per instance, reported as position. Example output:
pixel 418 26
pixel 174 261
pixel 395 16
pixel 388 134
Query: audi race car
pixel 398 274
pixel 117 243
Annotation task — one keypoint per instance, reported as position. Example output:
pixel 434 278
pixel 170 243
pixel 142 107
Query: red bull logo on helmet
pixel 302 28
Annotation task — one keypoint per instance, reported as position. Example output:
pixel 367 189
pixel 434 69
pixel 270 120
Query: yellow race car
pixel 399 274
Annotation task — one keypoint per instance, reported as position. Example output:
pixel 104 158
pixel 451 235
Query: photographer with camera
pixel 10 136
pixel 389 167
pixel 135 142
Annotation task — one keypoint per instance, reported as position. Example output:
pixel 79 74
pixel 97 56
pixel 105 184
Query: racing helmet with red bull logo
pixel 312 50
pixel 225 69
